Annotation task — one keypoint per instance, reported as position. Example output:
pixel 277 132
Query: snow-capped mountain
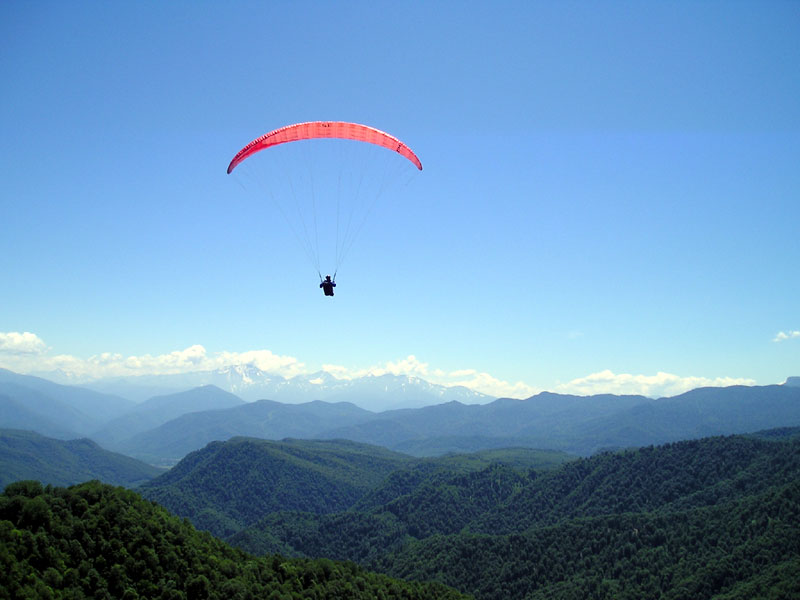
pixel 373 392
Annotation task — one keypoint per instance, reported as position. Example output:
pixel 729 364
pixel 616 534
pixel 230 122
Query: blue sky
pixel 610 199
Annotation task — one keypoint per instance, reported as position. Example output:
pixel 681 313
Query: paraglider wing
pixel 325 129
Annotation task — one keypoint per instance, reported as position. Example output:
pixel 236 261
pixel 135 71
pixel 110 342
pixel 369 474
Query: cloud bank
pixel 27 353
pixel 654 386
pixel 782 336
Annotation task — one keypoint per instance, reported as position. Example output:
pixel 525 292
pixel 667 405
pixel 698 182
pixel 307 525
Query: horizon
pixel 609 200
pixel 663 387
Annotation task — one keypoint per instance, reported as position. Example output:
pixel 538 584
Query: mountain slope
pixel 581 425
pixel 262 419
pixel 745 548
pixel 695 414
pixel 543 421
pixel 160 409
pixel 229 485
pixel 95 407
pixel 28 455
pixel 16 415
pixel 650 522
pixel 97 541
pixel 430 497
pixel 577 425
pixel 674 476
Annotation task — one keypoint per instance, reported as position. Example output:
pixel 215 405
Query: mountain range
pixel 60 411
pixel 163 429
pixel 575 424
pixel 374 392
pixel 631 499
pixel 159 409
pixel 692 519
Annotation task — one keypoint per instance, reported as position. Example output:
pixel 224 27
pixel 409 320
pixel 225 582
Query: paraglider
pixel 304 204
pixel 328 285
pixel 325 129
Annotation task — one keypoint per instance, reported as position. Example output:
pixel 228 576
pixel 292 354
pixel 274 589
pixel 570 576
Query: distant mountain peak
pixel 247 381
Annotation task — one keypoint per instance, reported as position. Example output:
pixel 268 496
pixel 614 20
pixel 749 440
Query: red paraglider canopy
pixel 325 129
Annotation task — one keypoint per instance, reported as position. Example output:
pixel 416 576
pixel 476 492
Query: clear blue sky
pixel 610 200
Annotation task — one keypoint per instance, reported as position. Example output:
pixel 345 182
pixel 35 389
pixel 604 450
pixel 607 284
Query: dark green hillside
pixel 442 502
pixel 432 471
pixel 674 476
pixel 442 445
pixel 358 536
pixel 429 499
pixel 28 455
pixel 229 485
pixel 779 434
pixel 503 525
pixel 449 505
pixel 93 540
pixel 518 458
pixel 744 548
pixel 430 496
pixel 684 520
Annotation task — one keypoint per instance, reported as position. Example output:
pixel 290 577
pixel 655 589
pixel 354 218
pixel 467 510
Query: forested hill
pixel 28 455
pixel 500 500
pixel 227 486
pixel 571 532
pixel 672 477
pixel 96 541
pixel 738 550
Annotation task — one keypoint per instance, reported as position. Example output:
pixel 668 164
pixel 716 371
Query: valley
pixel 550 497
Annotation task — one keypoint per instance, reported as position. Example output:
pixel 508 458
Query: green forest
pixel 715 517
pixel 228 486
pixel 29 455
pixel 93 540
pixel 710 518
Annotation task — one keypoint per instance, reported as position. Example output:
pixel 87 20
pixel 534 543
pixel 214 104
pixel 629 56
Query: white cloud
pixel 14 342
pixel 407 366
pixel 26 353
pixel 782 336
pixel 487 384
pixel 288 366
pixel 653 386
